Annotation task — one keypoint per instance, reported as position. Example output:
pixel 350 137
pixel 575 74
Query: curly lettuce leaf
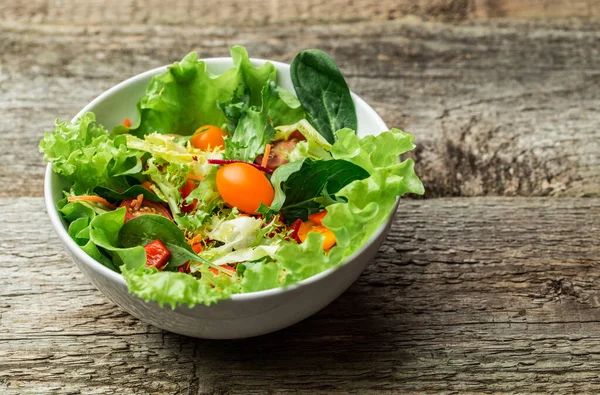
pixel 109 232
pixel 371 152
pixel 253 131
pixel 86 156
pixel 175 288
pixel 186 97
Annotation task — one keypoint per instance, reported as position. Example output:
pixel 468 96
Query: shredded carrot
pixel 137 202
pixel 93 199
pixel 195 177
pixel 265 158
pixel 127 122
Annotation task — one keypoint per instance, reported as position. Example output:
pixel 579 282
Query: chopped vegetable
pixel 317 218
pixel 127 122
pixel 265 158
pixel 309 226
pixel 186 190
pixel 91 198
pixel 157 254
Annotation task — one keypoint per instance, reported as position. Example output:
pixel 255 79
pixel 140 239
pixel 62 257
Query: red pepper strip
pixel 228 161
pixel 295 229
pixel 157 254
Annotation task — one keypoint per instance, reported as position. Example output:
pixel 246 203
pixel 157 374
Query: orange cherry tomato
pixel 309 226
pixel 208 138
pixel 317 218
pixel 244 187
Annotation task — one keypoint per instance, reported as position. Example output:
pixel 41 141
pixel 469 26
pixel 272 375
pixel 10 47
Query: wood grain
pixel 465 295
pixel 498 109
pixel 268 12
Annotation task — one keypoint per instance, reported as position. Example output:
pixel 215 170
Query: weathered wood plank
pixel 261 12
pixel 494 294
pixel 498 109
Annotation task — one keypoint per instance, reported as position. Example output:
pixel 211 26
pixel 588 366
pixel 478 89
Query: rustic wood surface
pixel 491 285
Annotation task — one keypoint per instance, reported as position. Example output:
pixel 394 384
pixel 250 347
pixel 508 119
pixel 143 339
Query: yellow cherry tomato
pixel 208 138
pixel 244 187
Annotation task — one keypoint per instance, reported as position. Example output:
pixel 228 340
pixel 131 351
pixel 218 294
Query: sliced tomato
pixel 157 254
pixel 296 135
pixel 280 151
pixel 295 228
pixel 147 207
pixel 185 191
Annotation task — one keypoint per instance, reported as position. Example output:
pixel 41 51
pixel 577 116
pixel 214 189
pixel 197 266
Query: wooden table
pixel 491 284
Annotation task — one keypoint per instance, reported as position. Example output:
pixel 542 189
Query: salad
pixel 226 184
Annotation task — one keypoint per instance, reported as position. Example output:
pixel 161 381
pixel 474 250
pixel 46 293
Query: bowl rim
pixel 99 268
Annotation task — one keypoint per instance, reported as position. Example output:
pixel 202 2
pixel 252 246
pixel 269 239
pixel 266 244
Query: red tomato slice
pixel 147 207
pixel 280 151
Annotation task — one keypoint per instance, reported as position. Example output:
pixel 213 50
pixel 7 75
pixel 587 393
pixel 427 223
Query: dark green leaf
pixel 131 192
pixel 146 228
pixel 313 184
pixel 323 93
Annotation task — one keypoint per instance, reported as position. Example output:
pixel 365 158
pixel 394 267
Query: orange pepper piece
pixel 317 218
pixel 310 226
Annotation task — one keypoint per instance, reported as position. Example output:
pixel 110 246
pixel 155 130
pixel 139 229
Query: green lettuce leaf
pixel 86 156
pixel 175 288
pixel 253 131
pixel 186 97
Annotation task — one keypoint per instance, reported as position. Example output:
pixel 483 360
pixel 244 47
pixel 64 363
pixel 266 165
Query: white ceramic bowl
pixel 243 315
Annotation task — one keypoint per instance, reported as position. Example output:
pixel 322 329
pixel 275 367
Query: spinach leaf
pixel 323 92
pixel 144 229
pixel 304 189
pixel 104 232
pixel 131 192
